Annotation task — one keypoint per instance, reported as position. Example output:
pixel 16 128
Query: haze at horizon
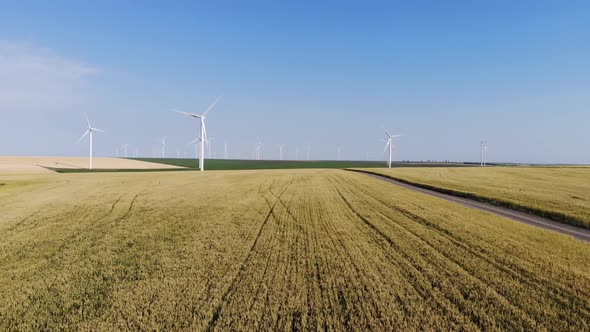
pixel 445 74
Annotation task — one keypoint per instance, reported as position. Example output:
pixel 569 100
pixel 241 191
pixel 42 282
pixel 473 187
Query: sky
pixel 324 74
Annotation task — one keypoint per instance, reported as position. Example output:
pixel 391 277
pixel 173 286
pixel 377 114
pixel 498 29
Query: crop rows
pixel 275 250
pixel 559 193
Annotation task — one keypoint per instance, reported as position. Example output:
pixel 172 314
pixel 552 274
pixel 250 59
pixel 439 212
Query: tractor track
pixel 532 220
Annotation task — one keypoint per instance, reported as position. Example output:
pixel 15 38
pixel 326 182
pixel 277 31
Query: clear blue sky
pixel 445 73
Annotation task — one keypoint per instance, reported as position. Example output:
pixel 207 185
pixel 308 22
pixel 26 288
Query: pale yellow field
pixel 274 251
pixel 36 164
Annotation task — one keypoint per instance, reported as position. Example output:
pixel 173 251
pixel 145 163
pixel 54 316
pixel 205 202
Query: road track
pixel 529 219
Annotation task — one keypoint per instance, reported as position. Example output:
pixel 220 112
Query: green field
pixel 273 250
pixel 559 193
pixel 234 164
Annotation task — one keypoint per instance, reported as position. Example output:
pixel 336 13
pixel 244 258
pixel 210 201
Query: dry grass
pixel 560 193
pixel 273 250
pixel 37 164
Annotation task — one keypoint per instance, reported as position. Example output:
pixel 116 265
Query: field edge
pixel 553 215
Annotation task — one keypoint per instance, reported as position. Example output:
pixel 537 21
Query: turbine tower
pixel 164 147
pixel 203 132
pixel 225 155
pixel 89 131
pixel 389 144
pixel 209 143
pixel 484 152
pixel 258 148
pixel 281 148
pixel 308 149
pixel 339 149
pixel 125 147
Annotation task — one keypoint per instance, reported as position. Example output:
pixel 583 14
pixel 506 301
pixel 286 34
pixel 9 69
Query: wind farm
pixel 294 167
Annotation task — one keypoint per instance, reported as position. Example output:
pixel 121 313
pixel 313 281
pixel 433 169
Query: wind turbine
pixel 125 146
pixel 484 152
pixel 308 148
pixel 339 149
pixel 203 132
pixel 196 146
pixel 281 147
pixel 389 144
pixel 225 155
pixel 258 147
pixel 209 143
pixel 90 130
pixel 164 147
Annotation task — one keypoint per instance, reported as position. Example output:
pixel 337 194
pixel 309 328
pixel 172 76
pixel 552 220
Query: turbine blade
pixel 386 133
pixel 186 113
pixel 211 106
pixel 83 135
pixel 87 121
pixel 96 129
pixel 204 134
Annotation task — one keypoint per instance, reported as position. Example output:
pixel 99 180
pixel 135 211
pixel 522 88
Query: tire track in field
pixel 515 271
pixel 410 270
pixel 290 251
pixel 500 210
pixel 460 307
pixel 556 291
pixel 364 279
pixel 236 279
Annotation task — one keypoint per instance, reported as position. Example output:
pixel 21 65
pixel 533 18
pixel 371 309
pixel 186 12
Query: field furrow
pixel 275 250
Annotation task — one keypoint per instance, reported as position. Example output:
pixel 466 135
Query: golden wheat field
pixel 273 250
pixel 560 193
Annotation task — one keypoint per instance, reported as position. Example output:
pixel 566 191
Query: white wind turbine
pixel 90 130
pixel 125 147
pixel 281 148
pixel 203 132
pixel 389 144
pixel 164 147
pixel 258 148
pixel 209 143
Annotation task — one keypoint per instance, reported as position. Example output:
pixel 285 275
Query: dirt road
pixel 579 233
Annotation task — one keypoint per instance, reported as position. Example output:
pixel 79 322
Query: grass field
pixel 273 250
pixel 560 193
pixel 229 164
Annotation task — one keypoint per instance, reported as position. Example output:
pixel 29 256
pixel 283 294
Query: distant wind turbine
pixel 203 131
pixel 125 147
pixel 209 143
pixel 308 148
pixel 339 149
pixel 258 148
pixel 281 148
pixel 389 144
pixel 164 147
pixel 484 152
pixel 89 131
